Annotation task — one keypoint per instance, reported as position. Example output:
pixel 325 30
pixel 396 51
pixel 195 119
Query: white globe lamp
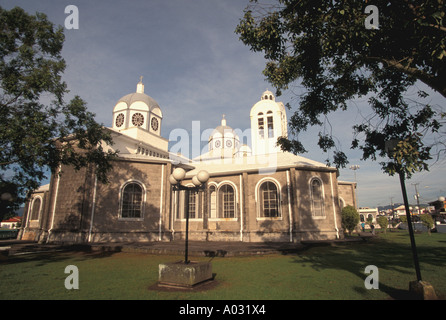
pixel 195 181
pixel 172 180
pixel 203 176
pixel 179 174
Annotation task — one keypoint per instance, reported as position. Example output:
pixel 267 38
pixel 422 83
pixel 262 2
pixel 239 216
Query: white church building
pixel 255 193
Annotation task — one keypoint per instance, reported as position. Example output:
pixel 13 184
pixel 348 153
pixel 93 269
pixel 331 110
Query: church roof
pixel 262 163
pixel 222 128
pixel 139 95
pixel 43 188
pixel 136 96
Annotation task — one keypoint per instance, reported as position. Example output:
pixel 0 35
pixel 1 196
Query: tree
pixel 383 222
pixel 350 218
pixel 325 47
pixel 39 129
pixel 427 221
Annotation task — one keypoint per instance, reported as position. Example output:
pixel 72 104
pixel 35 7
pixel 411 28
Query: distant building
pixel 439 205
pixel 401 210
pixel 255 193
pixel 366 213
pixel 11 223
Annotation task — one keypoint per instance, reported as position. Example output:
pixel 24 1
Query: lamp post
pixel 354 168
pixel 199 182
pixel 390 148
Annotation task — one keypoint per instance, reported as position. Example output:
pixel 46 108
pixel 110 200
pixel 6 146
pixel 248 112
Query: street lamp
pixel 354 168
pixel 199 182
pixel 390 148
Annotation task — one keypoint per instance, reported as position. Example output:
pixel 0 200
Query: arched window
pixel 193 204
pixel 227 201
pixel 212 202
pixel 270 124
pixel 222 201
pixel 269 200
pixel 261 125
pixel 189 203
pixel 35 210
pixel 317 198
pixel 132 201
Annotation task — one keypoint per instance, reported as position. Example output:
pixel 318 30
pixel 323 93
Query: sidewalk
pixel 195 248
pixel 203 248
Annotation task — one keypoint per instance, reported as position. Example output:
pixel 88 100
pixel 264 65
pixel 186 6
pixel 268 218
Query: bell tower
pixel 268 123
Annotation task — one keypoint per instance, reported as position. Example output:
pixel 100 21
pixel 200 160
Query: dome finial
pixel 267 95
pixel 140 86
pixel 223 121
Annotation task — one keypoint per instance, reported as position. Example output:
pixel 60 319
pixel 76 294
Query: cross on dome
pixel 140 86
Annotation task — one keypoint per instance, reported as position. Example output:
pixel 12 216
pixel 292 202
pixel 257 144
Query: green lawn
pixel 323 272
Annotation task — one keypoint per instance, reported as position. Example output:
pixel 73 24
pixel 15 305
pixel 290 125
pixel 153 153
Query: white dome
pixel 222 129
pixel 140 100
pixel 134 97
pixel 223 137
pixel 137 110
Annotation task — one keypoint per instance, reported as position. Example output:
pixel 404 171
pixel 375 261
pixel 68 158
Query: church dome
pixel 137 110
pixel 142 97
pixel 223 137
pixel 139 97
pixel 223 128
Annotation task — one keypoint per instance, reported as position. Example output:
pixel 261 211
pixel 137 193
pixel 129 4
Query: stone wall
pixel 82 217
pixel 347 191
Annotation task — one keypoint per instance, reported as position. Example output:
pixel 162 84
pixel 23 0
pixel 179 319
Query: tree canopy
pixel 350 218
pixel 325 47
pixel 39 129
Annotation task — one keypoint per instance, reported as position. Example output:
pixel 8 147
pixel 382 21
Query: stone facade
pixel 249 197
pixel 89 211
pixel 347 194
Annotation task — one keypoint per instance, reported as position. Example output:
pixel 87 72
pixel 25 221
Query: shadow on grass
pixel 42 257
pixel 393 257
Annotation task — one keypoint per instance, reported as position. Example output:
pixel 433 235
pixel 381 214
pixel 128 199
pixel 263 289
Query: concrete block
pixel 179 274
pixel 424 290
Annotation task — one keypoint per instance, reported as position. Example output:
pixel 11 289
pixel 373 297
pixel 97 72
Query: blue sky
pixel 195 67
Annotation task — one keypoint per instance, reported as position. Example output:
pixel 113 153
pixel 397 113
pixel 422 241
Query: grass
pixel 322 272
